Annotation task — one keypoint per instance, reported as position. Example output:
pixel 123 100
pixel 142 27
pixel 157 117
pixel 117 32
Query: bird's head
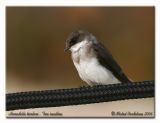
pixel 77 37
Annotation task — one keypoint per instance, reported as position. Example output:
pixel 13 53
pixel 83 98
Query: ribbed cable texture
pixel 82 95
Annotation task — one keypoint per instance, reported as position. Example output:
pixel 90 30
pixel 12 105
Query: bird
pixel 93 61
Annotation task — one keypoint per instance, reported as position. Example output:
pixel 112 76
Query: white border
pixel 80 2
pixel 2 61
pixel 4 3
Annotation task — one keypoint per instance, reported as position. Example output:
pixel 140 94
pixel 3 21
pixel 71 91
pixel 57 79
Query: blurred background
pixel 36 40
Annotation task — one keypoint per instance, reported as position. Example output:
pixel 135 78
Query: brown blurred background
pixel 36 40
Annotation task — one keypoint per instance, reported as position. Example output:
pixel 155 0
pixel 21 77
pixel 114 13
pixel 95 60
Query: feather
pixel 107 60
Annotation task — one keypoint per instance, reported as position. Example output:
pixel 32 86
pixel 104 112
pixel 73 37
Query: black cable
pixel 82 95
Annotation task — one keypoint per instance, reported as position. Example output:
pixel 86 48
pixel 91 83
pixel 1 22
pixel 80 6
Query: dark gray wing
pixel 107 60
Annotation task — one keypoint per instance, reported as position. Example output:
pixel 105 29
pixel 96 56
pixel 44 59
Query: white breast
pixel 89 69
pixel 93 73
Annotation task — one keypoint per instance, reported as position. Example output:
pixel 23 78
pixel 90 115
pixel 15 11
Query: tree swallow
pixel 94 63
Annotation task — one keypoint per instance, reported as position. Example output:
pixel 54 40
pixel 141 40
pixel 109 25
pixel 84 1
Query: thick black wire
pixel 82 95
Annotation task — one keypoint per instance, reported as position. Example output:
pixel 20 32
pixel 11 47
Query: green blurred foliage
pixel 36 41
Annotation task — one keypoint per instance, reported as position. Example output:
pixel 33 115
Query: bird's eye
pixel 74 40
